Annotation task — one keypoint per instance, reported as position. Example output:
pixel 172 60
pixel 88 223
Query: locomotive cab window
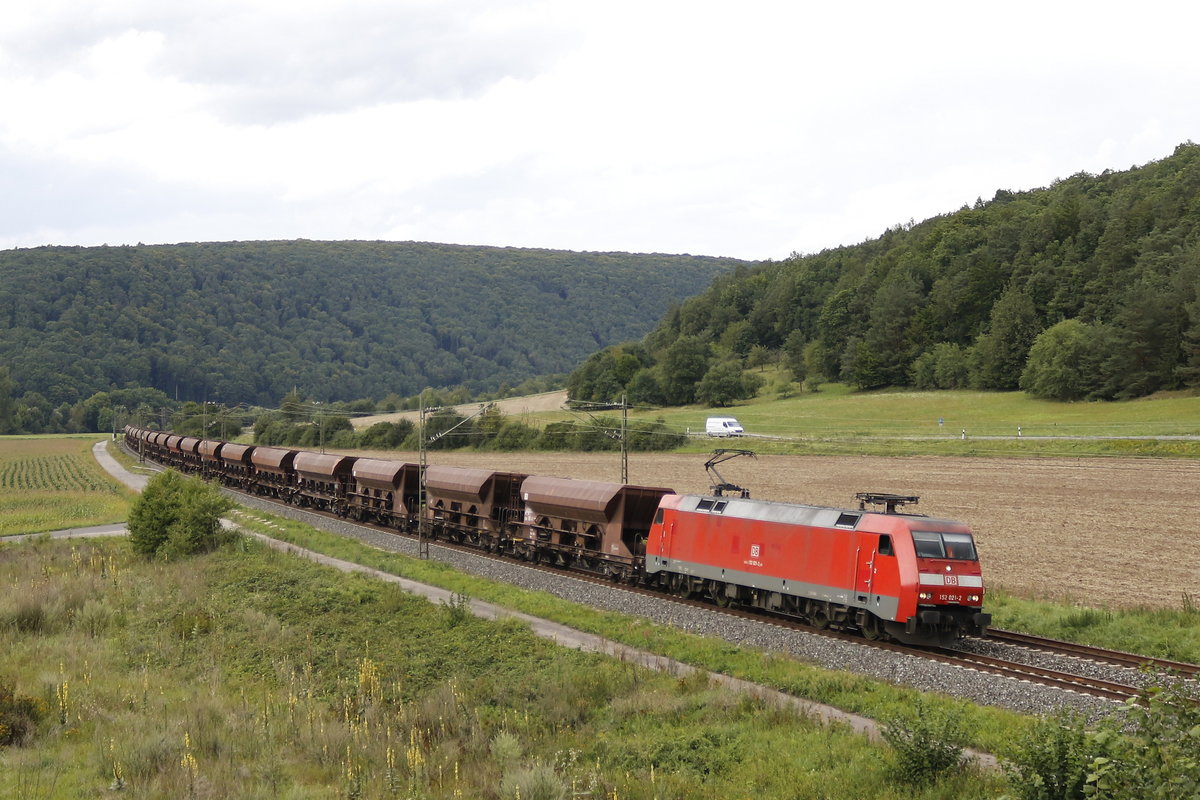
pixel 885 546
pixel 957 546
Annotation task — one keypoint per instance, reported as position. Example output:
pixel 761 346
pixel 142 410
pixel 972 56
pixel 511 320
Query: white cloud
pixel 696 127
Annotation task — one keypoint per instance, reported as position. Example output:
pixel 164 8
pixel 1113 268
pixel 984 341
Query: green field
pixel 52 482
pixel 836 420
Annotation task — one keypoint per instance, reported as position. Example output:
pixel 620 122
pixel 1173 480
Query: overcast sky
pixel 746 129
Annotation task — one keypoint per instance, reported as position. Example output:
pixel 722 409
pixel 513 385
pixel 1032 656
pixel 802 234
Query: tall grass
pixel 49 483
pixel 1171 633
pixel 304 682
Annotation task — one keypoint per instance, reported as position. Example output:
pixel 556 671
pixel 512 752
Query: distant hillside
pixel 248 321
pixel 1086 289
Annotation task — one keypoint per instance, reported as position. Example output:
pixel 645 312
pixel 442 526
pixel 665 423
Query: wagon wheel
pixel 720 598
pixel 870 628
pixel 820 618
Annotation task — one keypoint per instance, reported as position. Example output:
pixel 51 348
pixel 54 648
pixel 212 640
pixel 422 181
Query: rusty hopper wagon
pixel 387 492
pixel 210 458
pixel 236 466
pixel 474 505
pixel 599 527
pixel 273 471
pixel 322 479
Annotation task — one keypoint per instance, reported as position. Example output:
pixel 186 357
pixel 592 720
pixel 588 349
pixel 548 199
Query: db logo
pixel 952 580
pixel 755 550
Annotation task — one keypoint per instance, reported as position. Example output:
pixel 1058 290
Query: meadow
pixel 253 674
pixel 838 421
pixel 52 482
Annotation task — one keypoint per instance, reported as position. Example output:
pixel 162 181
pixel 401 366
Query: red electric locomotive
pixel 913 578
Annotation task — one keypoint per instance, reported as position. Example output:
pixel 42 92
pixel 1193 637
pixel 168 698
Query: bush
pixel 1051 761
pixel 176 516
pixel 536 782
pixel 926 745
pixel 1154 752
pixel 18 716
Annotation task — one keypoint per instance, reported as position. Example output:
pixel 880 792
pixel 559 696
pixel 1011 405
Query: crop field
pixel 51 483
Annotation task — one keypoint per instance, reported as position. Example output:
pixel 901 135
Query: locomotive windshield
pixel 932 544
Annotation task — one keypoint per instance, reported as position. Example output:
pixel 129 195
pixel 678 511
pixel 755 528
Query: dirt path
pixel 1113 531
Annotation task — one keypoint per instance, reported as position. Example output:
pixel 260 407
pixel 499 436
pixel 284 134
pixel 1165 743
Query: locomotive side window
pixel 885 546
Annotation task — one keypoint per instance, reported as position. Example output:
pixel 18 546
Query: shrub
pixel 1051 761
pixel 926 744
pixel 536 782
pixel 176 516
pixel 18 715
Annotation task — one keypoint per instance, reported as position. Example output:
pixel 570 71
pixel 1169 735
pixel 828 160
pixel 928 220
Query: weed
pixel 926 744
pixel 505 748
pixel 458 609
pixel 1087 618
pixel 536 782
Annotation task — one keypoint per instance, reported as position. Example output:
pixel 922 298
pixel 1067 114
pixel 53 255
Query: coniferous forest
pixel 1087 289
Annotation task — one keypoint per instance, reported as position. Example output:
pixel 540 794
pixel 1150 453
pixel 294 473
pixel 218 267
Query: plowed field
pixel 1117 532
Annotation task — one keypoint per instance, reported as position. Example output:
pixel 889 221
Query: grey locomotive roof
pixel 791 513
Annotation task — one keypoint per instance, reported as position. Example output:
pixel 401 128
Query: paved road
pixel 114 468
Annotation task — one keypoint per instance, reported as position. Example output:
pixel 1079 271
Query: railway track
pixel 1090 653
pixel 1061 679
pixel 1055 678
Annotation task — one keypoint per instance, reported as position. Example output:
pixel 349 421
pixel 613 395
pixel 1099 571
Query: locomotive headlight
pixel 972 598
pixel 925 595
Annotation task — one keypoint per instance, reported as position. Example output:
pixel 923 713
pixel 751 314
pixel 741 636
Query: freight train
pixel 882 573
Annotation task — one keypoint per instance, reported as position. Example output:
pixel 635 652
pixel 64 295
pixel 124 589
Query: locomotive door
pixel 864 573
pixel 664 541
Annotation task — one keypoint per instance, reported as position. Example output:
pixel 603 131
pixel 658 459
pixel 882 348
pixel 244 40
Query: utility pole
pixel 422 522
pixel 587 407
pixel 624 440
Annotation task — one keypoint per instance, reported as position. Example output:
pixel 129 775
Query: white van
pixel 723 426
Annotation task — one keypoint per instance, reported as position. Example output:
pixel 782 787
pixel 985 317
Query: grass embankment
pixel 1160 632
pixel 990 728
pixel 253 674
pixel 49 483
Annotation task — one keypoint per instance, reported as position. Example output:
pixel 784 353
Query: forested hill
pixel 248 321
pixel 1085 289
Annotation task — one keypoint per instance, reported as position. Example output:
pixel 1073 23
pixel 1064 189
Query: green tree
pixel 683 366
pixel 945 366
pixel 861 365
pixel 386 435
pixel 645 388
pixel 725 383
pixel 1150 324
pixel 176 516
pixel 889 337
pixel 999 355
pixel 1065 361
pixel 793 354
pixel 8 406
